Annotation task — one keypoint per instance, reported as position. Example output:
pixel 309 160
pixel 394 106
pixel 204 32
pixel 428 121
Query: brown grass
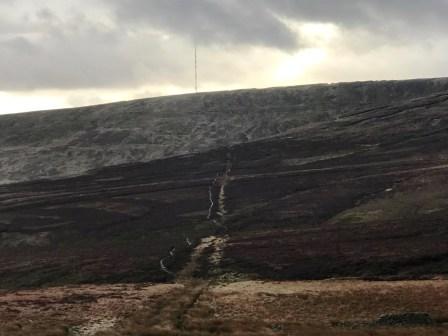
pixel 333 307
pixel 329 302
pixel 54 311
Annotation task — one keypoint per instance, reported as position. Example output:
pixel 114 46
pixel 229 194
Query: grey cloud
pixel 74 52
pixel 210 21
pixel 257 21
pixel 375 15
pixel 7 2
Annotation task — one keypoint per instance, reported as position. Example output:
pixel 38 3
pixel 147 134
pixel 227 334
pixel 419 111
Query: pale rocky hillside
pixel 51 144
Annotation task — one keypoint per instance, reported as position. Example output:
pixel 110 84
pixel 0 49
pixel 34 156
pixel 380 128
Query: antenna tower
pixel 195 67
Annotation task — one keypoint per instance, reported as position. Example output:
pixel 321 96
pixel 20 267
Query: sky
pixel 67 53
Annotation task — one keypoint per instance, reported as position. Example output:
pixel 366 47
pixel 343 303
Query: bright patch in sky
pixel 47 100
pixel 321 34
pixel 13 103
pixel 296 65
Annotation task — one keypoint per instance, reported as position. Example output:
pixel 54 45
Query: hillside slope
pixel 70 142
pixel 363 196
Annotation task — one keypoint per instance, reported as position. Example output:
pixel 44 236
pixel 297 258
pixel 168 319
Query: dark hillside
pixel 363 196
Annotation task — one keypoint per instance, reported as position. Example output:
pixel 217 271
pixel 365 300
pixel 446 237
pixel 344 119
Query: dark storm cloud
pixel 257 21
pixel 361 12
pixel 396 17
pixel 210 21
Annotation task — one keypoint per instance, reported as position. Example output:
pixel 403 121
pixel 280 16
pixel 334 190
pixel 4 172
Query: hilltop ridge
pixel 61 143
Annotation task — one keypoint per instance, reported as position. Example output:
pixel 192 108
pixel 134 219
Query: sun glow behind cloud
pixel 296 65
pixel 319 37
pixel 54 99
pixel 19 102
